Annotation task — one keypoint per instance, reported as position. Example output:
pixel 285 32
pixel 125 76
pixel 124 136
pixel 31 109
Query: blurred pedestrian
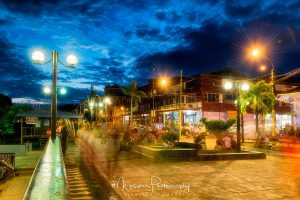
pixel 64 136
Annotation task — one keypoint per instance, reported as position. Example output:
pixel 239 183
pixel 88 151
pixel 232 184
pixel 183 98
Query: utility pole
pixel 180 108
pixel 153 109
pixel 238 119
pixel 273 107
pixel 53 104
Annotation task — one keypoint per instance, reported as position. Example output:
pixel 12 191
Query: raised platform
pixel 210 155
pixel 163 153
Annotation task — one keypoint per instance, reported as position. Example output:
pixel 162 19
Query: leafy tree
pixel 261 99
pixel 9 119
pixel 135 96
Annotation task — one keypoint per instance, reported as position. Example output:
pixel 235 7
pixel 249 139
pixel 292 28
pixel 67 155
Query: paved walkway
pixel 84 182
pixel 15 188
pixel 277 177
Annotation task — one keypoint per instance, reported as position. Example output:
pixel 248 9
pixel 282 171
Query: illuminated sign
pixel 31 120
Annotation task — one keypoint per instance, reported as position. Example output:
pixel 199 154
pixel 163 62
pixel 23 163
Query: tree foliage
pixel 9 118
pixel 261 99
pixel 135 96
pixel 218 126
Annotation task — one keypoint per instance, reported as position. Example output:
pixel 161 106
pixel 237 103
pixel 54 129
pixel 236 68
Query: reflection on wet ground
pixel 84 181
pixel 276 177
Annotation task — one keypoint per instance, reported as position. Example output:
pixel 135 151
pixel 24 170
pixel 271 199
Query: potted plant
pixel 219 128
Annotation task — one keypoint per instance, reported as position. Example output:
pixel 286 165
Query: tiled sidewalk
pixel 277 177
pixel 15 188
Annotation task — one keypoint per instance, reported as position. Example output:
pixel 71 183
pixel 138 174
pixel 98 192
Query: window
pixel 230 97
pixel 212 97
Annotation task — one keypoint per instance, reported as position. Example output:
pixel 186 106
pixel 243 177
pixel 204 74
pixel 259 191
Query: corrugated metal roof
pixel 47 114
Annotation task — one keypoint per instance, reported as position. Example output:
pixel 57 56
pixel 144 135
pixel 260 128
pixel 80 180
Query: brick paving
pixel 277 177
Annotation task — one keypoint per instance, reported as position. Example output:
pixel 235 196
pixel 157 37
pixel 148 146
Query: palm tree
pixel 135 96
pixel 261 98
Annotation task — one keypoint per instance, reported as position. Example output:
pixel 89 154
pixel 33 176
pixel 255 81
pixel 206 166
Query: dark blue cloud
pixel 118 41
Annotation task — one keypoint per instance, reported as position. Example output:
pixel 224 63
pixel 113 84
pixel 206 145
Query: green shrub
pixel 218 126
pixel 170 138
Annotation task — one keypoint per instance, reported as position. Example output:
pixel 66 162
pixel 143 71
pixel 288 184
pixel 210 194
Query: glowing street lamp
pixel 38 58
pixel 228 86
pixel 164 82
pixel 47 90
pixel 72 60
pixel 107 100
pixel 255 52
pixel 262 68
pixel 63 91
pixel 245 87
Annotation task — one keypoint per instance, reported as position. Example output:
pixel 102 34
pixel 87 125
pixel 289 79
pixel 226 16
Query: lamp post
pixel 258 53
pixel 238 86
pixel 38 58
pixel 106 102
pixel 153 111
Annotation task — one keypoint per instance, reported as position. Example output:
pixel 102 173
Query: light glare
pixel 47 90
pixel 72 60
pixel 228 85
pixel 245 86
pixel 38 57
pixel 255 52
pixel 63 91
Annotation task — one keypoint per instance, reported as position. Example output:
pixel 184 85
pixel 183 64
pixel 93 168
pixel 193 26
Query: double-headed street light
pixel 239 86
pixel 47 90
pixel 38 58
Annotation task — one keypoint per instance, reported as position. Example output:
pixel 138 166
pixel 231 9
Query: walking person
pixel 64 136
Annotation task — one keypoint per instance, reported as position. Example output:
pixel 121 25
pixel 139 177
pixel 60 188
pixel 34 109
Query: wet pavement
pixel 84 181
pixel 133 178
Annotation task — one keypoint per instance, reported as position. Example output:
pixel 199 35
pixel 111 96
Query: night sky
pixel 118 41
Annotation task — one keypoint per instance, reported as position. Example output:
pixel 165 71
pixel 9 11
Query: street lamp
pixel 47 90
pixel 163 82
pixel 63 91
pixel 238 87
pixel 38 58
pixel 258 53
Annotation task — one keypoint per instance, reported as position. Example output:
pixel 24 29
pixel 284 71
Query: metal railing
pixel 49 179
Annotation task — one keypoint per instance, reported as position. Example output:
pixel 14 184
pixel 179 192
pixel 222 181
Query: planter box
pixel 165 153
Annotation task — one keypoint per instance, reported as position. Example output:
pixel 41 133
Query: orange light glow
pixel 262 68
